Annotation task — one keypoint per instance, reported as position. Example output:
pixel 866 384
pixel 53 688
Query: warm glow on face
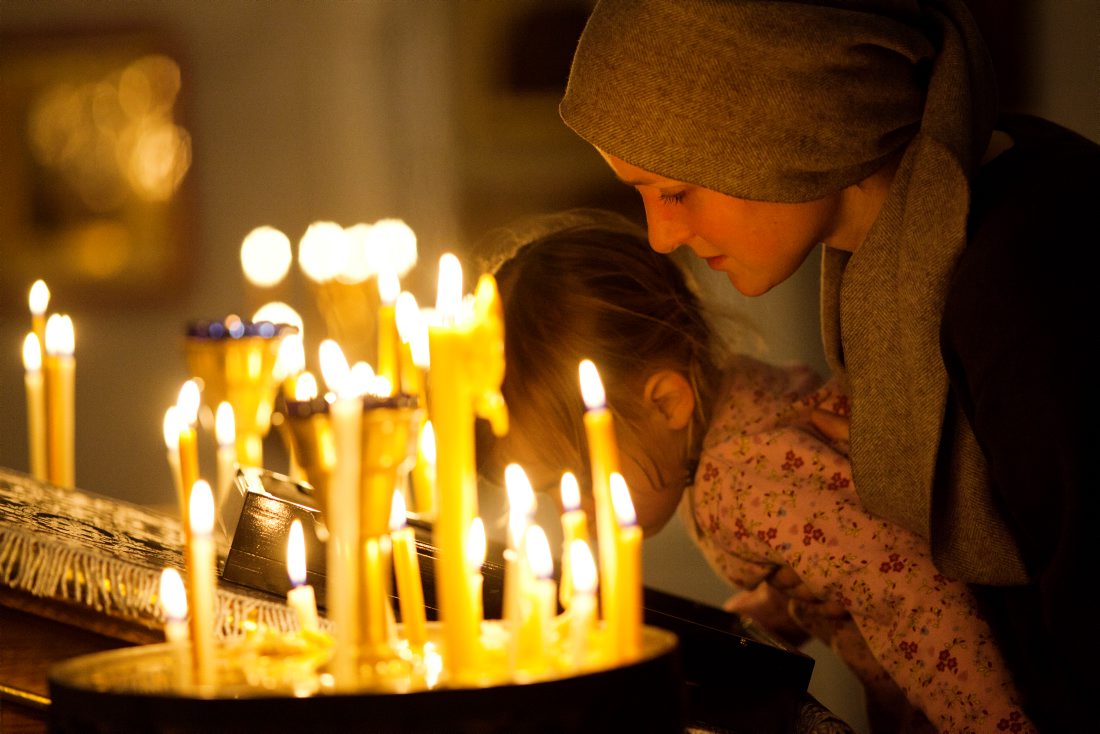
pixel 187 404
pixel 296 554
pixel 335 370
pixel 32 353
pixel 427 442
pixel 389 286
pixel 570 492
pixel 591 387
pixel 173 597
pixel 621 502
pixel 538 552
pixel 305 387
pixel 323 251
pixel 39 297
pixel 202 508
pixel 521 501
pixel 225 427
pixel 171 428
pixel 266 256
pixel 397 511
pixel 448 298
pixel 60 339
pixel 584 567
pixel 476 545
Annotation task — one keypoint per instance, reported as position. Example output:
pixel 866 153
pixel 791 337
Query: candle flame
pixel 32 353
pixel 377 386
pixel 305 387
pixel 538 552
pixel 591 387
pixel 39 298
pixel 389 286
pixel 570 492
pixel 323 251
pixel 335 370
pixel 60 339
pixel 407 315
pixel 397 511
pixel 363 379
pixel 265 256
pixel 621 502
pixel 476 544
pixel 172 428
pixel 173 597
pixel 427 442
pixel 296 554
pixel 392 243
pixel 521 501
pixel 291 358
pixel 187 404
pixel 584 567
pixel 448 299
pixel 225 426
pixel 202 508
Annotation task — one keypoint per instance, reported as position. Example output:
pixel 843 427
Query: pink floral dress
pixel 771 492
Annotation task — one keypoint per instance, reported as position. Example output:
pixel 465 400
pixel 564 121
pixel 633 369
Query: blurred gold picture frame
pixel 95 176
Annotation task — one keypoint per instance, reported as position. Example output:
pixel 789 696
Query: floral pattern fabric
pixel 771 492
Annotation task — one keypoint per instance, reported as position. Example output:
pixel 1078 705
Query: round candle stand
pixel 134 690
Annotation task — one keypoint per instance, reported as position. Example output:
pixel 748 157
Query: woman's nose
pixel 666 232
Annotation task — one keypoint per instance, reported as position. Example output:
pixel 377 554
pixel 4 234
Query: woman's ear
pixel 670 393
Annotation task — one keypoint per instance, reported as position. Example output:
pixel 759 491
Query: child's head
pixel 588 286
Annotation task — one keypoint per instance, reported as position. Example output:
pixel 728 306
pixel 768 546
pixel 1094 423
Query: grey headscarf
pixel 790 101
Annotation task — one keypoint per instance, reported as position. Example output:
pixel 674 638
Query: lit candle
pixel 423 474
pixel 225 433
pixel 539 607
pixel 60 368
pixel 625 618
pixel 36 406
pixel 574 526
pixel 410 329
pixel 467 349
pixel 203 573
pixel 521 507
pixel 476 547
pixel 173 600
pixel 39 300
pixel 343 584
pixel 171 428
pixel 410 590
pixel 582 604
pixel 300 598
pixel 603 455
pixel 389 288
pixel 187 413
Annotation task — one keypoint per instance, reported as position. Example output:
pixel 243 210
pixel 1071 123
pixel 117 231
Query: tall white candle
pixel 574 525
pixel 582 605
pixel 343 581
pixel 300 597
pixel 539 604
pixel 225 432
pixel 203 573
pixel 173 601
pixel 60 368
pixel 36 405
pixel 171 428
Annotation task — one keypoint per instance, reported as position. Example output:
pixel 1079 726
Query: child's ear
pixel 670 392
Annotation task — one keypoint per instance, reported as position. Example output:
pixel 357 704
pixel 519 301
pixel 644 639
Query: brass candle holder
pixel 235 360
pixel 307 434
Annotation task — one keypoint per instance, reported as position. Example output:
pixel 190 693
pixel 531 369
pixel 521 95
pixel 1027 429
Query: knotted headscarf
pixel 790 101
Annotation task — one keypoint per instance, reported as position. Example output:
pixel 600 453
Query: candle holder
pixel 307 434
pixel 235 360
pixel 134 689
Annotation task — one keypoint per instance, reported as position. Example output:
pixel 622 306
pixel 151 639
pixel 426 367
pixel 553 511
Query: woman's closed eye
pixel 670 197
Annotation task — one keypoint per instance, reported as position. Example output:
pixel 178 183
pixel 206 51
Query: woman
pixel 755 131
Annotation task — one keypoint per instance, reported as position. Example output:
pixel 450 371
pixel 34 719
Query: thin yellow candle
pixel 60 368
pixel 173 601
pixel 343 584
pixel 537 638
pixel 626 625
pixel 187 413
pixel 36 406
pixel 410 589
pixel 225 433
pixel 301 597
pixel 521 507
pixel 203 574
pixel 171 429
pixel 39 300
pixel 476 547
pixel 389 288
pixel 603 455
pixel 410 327
pixel 582 604
pixel 467 351
pixel 574 526
pixel 423 473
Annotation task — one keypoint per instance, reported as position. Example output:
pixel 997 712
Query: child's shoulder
pixel 758 396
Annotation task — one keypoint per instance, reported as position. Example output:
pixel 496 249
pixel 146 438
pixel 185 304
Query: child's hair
pixel 585 284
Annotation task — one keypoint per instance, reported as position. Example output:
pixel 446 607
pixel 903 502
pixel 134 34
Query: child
pixel 734 445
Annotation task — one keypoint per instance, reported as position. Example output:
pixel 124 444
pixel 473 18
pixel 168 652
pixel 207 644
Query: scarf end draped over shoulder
pixel 790 101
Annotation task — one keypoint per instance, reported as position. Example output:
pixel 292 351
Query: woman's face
pixel 757 244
